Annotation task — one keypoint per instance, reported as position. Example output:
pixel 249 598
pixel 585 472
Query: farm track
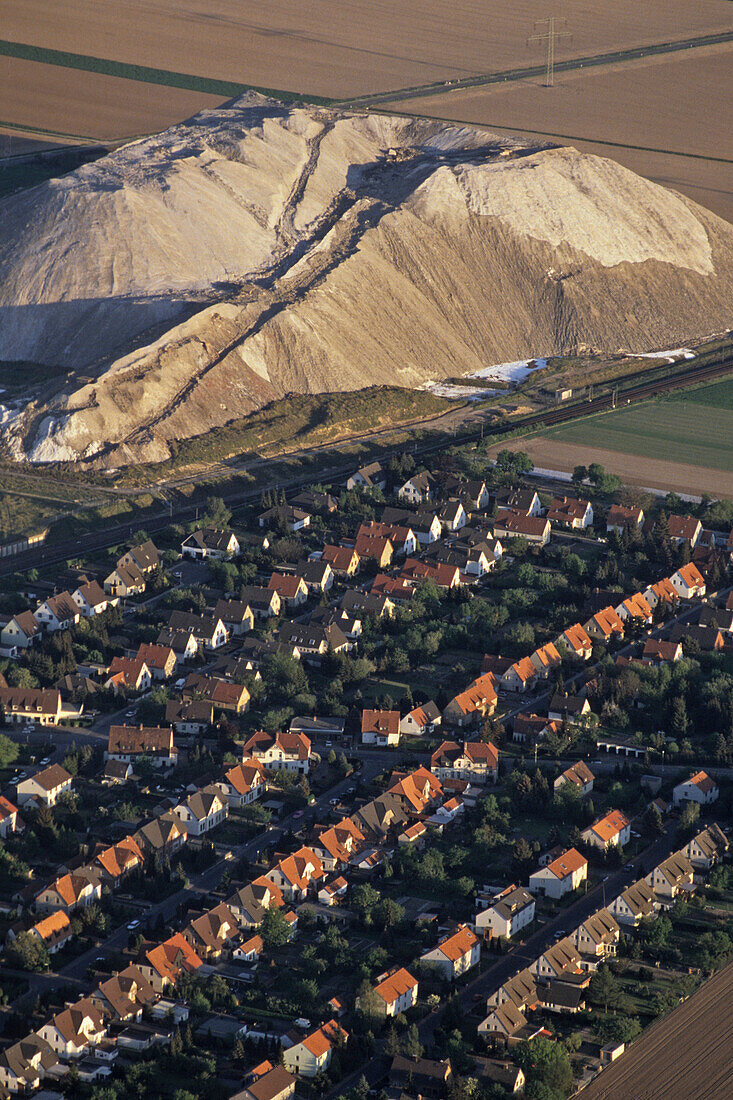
pixel 454 431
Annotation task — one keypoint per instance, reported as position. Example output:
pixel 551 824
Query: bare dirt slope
pixel 189 278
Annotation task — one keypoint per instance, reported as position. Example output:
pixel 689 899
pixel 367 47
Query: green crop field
pixel 694 428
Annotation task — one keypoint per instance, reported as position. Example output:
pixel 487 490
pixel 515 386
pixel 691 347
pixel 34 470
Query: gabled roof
pixel 458 944
pixel 209 538
pixel 286 585
pixel 577 638
pixel 320 1041
pixel 702 781
pixel 386 722
pixel 168 959
pixel 610 825
pixel 51 778
pixel 53 926
pixel 567 864
pixel 578 774
pixel 140 739
pixel 691 575
pixel 394 985
pixel 154 656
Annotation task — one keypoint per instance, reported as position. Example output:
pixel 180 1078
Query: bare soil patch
pixel 73 104
pixel 650 473
pixel 328 48
pixel 678 105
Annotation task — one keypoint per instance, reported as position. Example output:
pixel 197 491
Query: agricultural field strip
pixel 692 432
pixel 527 72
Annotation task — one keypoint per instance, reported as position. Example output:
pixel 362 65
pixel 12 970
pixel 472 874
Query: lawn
pixel 695 428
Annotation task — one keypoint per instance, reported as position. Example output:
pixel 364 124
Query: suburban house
pixel 25 1064
pixel 267 1082
pixel 570 512
pixel 162 964
pixel 707 848
pixel 91 599
pixel 57 612
pixel 72 1031
pixel 506 913
pixel 212 932
pixel 413 834
pixel 671 877
pixel 286 751
pixel 264 602
pixel 688 582
pixel 684 529
pixel 561 877
pixel 401 537
pixel 374 548
pixel 564 707
pixel 620 518
pixel 545 659
pixel 613 829
pixel 344 560
pixel 313 501
pixel 295 872
pixel 397 991
pixel 372 476
pixel 128 674
pixel 523 502
pixel 519 990
pixel 190 717
pixel 116 862
pixel 312 1055
pixel 286 517
pixel 210 542
pixel 519 676
pixel 418 489
pixel 53 931
pixel 535 529
pixel 698 788
pixel 420 1076
pixel 561 959
pixel 130 743
pixel 159 659
pixel 8 817
pixel 455 954
pixel 314 640
pixel 333 892
pixel 250 903
pixel 40 705
pixel 124 995
pixel 597 936
pixel 69 892
pixel 20 631
pixel 222 694
pixel 291 589
pixel 45 786
pixel 503 1022
pixel 184 645
pixel 577 775
pixel 243 783
pixel 663 592
pixel 202 811
pixel 421 721
pixel 577 641
pixel 604 625
pixel 123 581
pixel 162 836
pixel 477 761
pixel 209 631
pixel 453 515
pixel 144 557
pixel 380 727
pixel 658 651
pixel 477 701
pixel 237 616
pixel 318 575
pixel 634 904
pixel 635 609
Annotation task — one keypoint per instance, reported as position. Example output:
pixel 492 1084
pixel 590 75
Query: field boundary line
pixel 227 89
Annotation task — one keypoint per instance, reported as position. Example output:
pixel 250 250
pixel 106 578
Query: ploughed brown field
pixel 336 49
pixel 678 105
pixel 649 473
pixel 685 1056
pixel 75 104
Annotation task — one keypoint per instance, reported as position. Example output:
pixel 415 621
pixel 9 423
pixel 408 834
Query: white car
pixel 133 925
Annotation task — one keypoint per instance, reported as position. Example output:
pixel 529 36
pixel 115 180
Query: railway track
pixel 238 498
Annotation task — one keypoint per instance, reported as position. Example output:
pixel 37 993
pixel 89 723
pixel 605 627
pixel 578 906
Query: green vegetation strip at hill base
pixel 304 420
pixel 718 395
pixel 225 88
pixel 683 429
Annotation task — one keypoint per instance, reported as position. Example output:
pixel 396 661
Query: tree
pixel 391 1041
pixel 689 817
pixel 545 1064
pixel 411 1045
pixel 580 473
pixel 27 952
pixel 8 751
pixel 216 514
pixel 369 1003
pixel 275 930
pixel 604 988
